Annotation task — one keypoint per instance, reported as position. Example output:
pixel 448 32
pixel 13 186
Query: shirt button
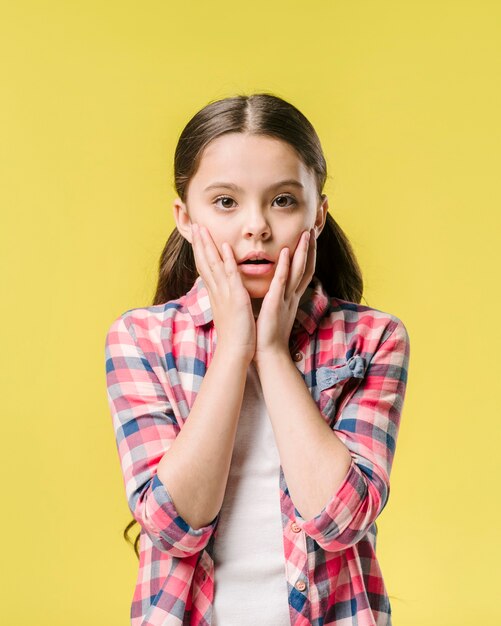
pixel 295 527
pixel 297 356
pixel 300 585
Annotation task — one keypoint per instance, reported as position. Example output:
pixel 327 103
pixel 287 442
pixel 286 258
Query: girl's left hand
pixel 279 306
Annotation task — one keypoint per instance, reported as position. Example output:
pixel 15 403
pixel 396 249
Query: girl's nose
pixel 257 227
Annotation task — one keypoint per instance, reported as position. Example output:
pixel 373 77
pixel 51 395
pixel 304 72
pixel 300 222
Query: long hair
pixel 257 114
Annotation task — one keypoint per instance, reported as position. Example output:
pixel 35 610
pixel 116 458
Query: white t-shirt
pixel 249 562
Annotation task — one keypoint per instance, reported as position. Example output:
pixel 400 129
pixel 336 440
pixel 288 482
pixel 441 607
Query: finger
pixel 279 282
pixel 214 260
pixel 298 264
pixel 309 268
pixel 230 264
pixel 201 259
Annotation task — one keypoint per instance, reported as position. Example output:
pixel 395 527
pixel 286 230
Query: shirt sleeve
pixel 368 426
pixel 145 427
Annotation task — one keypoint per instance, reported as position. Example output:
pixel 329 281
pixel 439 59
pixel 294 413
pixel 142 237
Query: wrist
pixel 234 354
pixel 272 356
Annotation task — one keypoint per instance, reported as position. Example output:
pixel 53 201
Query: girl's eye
pixel 223 198
pixel 283 206
pixel 287 206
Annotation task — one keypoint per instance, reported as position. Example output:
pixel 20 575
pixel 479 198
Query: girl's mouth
pixel 253 269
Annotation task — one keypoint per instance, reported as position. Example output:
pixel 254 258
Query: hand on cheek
pixel 279 307
pixel 230 302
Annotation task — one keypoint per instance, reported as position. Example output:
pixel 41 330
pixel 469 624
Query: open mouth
pixel 256 268
pixel 256 262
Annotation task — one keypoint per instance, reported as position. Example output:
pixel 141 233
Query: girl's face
pixel 255 193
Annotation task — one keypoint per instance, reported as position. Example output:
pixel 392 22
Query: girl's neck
pixel 256 305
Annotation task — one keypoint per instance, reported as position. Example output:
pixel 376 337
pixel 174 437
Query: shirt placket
pixel 296 565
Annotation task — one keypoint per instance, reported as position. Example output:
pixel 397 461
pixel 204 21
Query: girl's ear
pixel 183 220
pixel 321 215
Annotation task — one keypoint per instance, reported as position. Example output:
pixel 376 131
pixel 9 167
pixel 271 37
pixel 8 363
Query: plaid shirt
pixel 354 361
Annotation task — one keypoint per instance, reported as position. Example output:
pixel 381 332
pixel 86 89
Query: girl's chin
pixel 257 295
pixel 257 286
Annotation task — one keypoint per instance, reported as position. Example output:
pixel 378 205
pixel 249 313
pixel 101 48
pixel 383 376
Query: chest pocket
pixel 333 380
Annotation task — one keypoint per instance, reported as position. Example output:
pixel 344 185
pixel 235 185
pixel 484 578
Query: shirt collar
pixel 312 306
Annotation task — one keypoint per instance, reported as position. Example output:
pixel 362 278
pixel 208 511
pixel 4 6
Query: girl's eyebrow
pixel 290 181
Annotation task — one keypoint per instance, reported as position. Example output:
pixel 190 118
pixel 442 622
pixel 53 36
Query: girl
pixel 256 404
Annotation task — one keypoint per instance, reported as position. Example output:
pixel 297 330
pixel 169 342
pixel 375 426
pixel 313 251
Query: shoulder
pixel 364 328
pixel 364 315
pixel 155 325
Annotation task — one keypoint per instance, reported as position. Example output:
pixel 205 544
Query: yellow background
pixel 405 97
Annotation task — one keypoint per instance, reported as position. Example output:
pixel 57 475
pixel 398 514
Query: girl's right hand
pixel 230 301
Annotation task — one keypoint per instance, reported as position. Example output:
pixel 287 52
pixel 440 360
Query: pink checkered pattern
pixel 355 363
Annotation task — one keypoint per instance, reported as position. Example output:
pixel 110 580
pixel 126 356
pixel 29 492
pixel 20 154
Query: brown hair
pixel 255 114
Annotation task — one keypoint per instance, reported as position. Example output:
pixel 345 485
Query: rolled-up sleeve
pixel 368 425
pixel 145 426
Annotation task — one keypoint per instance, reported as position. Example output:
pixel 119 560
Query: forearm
pixel 195 468
pixel 314 460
